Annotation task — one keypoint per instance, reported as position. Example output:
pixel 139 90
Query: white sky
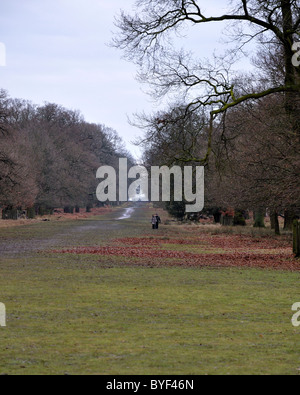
pixel 56 51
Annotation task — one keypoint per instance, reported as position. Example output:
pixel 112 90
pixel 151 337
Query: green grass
pixel 97 315
pixel 142 321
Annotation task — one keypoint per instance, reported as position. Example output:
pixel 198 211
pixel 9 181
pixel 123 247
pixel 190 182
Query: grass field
pixel 104 296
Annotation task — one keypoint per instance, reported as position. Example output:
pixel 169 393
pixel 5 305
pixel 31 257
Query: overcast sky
pixel 56 51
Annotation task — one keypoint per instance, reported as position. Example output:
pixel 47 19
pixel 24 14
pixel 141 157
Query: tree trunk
pixel 272 219
pixel 239 219
pixel 275 222
pixel 10 213
pixel 69 210
pixel 217 216
pixel 289 217
pixel 227 221
pixel 30 213
pixel 296 238
pixel 259 218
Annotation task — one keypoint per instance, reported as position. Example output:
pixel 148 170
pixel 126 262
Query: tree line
pixel 244 127
pixel 49 156
pixel 254 164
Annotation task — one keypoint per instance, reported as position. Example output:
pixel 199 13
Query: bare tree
pixel 146 38
pixel 258 159
pixel 49 155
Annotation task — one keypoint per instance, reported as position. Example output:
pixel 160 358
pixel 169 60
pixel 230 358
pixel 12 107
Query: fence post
pixel 296 238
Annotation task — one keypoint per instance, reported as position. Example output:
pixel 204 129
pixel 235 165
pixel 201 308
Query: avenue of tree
pixel 243 126
pixel 49 157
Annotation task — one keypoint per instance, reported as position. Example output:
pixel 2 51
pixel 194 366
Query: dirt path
pixel 39 236
pixel 125 235
pixel 128 212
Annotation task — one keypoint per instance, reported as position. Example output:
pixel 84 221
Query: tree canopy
pixel 146 38
pixel 243 126
pixel 49 155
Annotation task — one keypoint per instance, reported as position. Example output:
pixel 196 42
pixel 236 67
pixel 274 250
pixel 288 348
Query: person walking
pixel 158 221
pixel 154 222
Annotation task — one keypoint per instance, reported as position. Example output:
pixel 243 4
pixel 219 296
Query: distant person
pixel 154 222
pixel 158 221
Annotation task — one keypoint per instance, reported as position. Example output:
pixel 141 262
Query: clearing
pixel 108 295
